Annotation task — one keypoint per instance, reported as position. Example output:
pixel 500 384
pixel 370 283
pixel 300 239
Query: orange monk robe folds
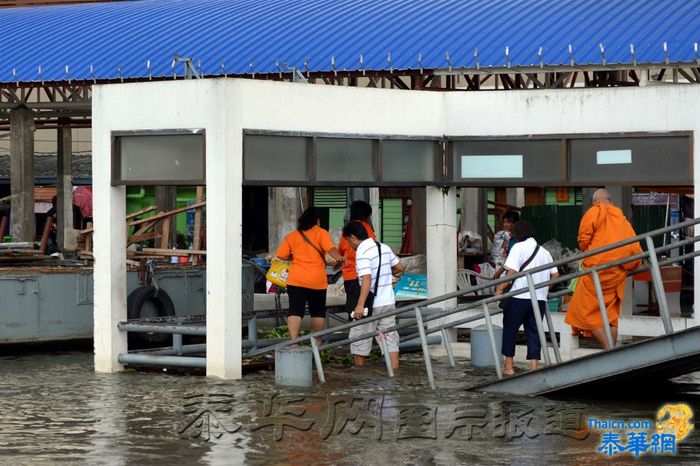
pixel 603 224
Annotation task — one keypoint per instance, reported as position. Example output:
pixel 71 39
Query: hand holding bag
pixel 504 302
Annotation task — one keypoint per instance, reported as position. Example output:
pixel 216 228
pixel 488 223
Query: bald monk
pixel 601 225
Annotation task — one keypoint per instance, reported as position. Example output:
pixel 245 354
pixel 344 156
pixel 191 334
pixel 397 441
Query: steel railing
pixel 422 319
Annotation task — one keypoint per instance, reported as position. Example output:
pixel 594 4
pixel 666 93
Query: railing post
pixel 659 286
pixel 553 337
pixel 448 347
pixel 492 339
pixel 385 351
pixel 177 343
pixel 538 318
pixel 603 310
pixel 253 331
pixel 317 360
pixel 426 351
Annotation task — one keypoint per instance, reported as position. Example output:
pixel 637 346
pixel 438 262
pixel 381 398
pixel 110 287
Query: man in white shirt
pixel 521 257
pixel 373 277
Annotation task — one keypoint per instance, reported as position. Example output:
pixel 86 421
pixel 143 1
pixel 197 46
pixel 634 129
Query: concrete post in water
pixel 293 366
pixel 64 181
pixel 22 173
pixel 481 353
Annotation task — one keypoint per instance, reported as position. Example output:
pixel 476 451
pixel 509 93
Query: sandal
pixel 508 372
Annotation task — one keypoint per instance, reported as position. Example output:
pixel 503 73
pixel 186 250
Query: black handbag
pixel 504 302
pixel 369 301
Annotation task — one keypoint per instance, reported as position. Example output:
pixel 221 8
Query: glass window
pixel 505 161
pixel 408 160
pixel 340 159
pixel 630 160
pixel 275 158
pixel 156 158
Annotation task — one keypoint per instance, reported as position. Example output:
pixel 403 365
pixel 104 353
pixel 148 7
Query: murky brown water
pixel 55 410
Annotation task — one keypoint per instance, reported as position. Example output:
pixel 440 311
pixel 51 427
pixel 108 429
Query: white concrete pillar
pixel 441 244
pixel 474 212
pixel 224 242
pixel 110 256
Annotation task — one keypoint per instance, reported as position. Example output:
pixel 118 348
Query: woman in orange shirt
pixel 307 248
pixel 361 212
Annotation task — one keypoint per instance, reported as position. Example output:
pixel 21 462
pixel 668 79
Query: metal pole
pixel 317 360
pixel 426 352
pixel 492 339
pixel 385 351
pixel 177 343
pixel 448 347
pixel 253 331
pixel 603 310
pixel 553 337
pixel 659 286
pixel 538 318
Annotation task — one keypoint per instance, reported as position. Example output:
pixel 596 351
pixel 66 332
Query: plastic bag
pixel 278 272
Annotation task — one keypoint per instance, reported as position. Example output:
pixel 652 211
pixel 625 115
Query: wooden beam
pixel 141 212
pixel 165 232
pixel 162 215
pixel 143 237
pixel 171 252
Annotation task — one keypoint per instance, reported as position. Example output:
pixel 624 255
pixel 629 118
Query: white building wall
pixel 226 107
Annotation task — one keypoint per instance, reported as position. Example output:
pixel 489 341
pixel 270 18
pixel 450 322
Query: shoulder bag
pixel 504 302
pixel 318 250
pixel 369 301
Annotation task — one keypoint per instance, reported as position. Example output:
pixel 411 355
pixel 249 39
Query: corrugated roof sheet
pixel 113 40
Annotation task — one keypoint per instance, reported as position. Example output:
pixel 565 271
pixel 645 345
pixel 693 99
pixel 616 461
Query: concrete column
pixel 166 199
pixel 418 211
pixel 284 209
pixel 224 237
pixel 441 243
pixel 22 174
pixel 110 256
pixel 474 211
pixel 65 234
pixel 374 201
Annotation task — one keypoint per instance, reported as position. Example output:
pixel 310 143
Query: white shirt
pixel 367 260
pixel 518 255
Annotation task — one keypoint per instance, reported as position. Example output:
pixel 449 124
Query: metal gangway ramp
pixel 670 355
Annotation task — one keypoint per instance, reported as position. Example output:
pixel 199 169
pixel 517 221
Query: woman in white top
pixel 524 255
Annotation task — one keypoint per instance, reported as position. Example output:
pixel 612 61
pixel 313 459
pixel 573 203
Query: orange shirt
pixel 308 269
pixel 345 250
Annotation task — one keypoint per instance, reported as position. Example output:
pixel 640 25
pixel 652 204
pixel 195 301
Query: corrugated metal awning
pixel 139 39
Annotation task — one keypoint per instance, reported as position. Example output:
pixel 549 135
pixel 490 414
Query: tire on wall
pixel 144 302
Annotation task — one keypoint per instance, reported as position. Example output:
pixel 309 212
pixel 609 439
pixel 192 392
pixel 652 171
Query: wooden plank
pixel 141 212
pixel 172 252
pixel 88 239
pixel 169 213
pixel 165 233
pixel 144 228
pixel 143 237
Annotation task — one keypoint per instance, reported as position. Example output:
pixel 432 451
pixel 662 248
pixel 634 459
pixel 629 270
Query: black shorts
pixel 299 297
pixel 352 294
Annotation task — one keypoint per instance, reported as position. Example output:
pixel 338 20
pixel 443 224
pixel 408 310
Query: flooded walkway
pixel 55 410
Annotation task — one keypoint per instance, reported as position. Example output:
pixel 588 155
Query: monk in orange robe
pixel 601 225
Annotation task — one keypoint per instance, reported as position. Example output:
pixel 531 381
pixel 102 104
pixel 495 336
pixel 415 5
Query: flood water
pixel 55 410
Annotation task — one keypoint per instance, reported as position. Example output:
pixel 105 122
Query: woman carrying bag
pixel 524 255
pixel 308 248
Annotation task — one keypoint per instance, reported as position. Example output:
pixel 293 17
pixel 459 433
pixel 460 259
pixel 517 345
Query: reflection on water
pixel 55 409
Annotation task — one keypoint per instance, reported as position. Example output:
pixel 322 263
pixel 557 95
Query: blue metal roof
pixel 136 39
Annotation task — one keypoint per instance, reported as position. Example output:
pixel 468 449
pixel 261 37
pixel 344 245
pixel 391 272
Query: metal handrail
pixel 654 267
pixel 459 293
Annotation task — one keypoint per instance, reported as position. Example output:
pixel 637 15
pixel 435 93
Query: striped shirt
pixel 367 258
